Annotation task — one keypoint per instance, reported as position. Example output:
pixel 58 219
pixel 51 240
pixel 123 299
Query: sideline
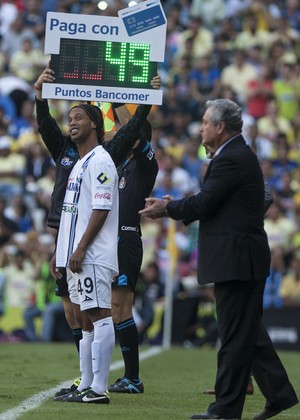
pixel 36 400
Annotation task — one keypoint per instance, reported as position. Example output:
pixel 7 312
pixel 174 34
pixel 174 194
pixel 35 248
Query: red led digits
pixel 103 63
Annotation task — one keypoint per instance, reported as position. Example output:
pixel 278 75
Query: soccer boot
pixel 88 396
pixel 67 391
pixel 125 386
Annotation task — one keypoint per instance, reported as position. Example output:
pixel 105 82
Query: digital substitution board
pixel 109 59
pixel 104 63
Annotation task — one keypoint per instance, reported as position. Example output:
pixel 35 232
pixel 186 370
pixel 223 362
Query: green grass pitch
pixel 174 381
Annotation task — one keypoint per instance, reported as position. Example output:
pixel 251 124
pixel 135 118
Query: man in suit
pixel 233 253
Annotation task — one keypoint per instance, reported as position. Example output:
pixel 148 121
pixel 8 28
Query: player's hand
pixel 55 273
pixel 76 260
pixel 47 76
pixel 156 82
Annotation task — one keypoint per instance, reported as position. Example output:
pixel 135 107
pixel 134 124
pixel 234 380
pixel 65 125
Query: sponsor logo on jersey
pixel 67 208
pixel 73 186
pixel 105 196
pixel 129 228
pixel 122 183
pixel 103 178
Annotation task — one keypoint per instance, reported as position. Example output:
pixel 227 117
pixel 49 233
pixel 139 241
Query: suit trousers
pixel 245 347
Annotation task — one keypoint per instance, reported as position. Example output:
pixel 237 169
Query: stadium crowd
pixel 243 50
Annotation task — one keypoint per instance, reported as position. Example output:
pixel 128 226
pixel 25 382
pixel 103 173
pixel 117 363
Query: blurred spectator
pixel 260 91
pixel 7 226
pixel 25 122
pixel 201 38
pixel 37 163
pixel 17 91
pixel 290 284
pixel 236 9
pixel 150 276
pixel 179 76
pixel 18 211
pixel 190 160
pixel 252 35
pixel 272 124
pixel 175 145
pixel 291 11
pixel 284 33
pixel 34 17
pixel 204 80
pixel 279 228
pixel 167 186
pixel 18 272
pixel 45 304
pixel 224 41
pixel 180 178
pixel 12 166
pixel 267 13
pixel 283 162
pixel 4 117
pixel 238 74
pixel 272 298
pixel 27 62
pixel 285 195
pixel 13 38
pixel 261 146
pixel 268 172
pixel 211 11
pixel 8 13
pixel 286 90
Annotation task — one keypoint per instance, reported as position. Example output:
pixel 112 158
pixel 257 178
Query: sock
pixel 129 342
pixel 102 348
pixel 85 356
pixel 77 335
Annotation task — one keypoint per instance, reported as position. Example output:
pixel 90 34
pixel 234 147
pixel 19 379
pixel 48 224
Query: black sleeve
pixel 121 144
pixel 51 133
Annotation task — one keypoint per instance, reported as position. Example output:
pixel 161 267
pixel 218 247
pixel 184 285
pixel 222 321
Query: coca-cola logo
pixel 105 196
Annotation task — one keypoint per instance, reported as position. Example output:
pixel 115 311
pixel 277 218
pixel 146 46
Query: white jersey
pixel 92 184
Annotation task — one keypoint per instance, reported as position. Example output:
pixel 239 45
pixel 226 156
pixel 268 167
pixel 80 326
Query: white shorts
pixel 91 288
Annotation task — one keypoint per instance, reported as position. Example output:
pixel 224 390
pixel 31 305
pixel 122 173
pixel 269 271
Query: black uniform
pixel 136 181
pixel 65 154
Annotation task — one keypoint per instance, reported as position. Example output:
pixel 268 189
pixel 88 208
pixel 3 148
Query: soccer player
pixel 137 176
pixel 87 248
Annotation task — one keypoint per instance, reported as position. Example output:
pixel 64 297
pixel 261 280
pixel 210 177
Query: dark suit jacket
pixel 232 242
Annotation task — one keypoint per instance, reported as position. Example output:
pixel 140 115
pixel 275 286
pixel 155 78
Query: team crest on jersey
pixel 103 178
pixel 66 161
pixel 122 183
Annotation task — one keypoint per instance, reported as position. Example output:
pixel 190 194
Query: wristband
pixel 36 87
